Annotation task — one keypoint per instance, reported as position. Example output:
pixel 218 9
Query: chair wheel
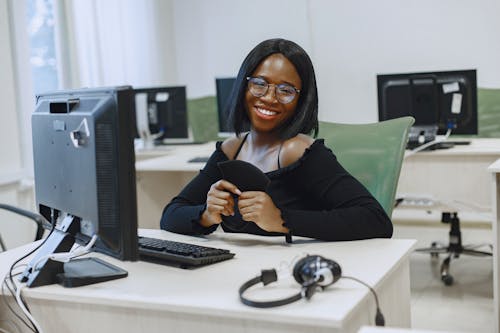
pixel 447 280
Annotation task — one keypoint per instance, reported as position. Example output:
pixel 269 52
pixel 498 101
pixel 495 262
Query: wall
pixel 213 37
pixel 349 41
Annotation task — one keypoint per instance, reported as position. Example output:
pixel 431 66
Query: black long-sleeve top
pixel 317 197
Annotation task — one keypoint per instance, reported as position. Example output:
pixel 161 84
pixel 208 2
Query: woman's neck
pixel 260 140
pixel 262 150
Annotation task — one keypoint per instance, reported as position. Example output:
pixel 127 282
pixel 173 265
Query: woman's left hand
pixel 258 207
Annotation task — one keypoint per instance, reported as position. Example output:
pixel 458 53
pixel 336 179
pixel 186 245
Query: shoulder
pixel 230 145
pixel 294 148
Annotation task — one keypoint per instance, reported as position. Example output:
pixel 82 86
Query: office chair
pixel 38 219
pixel 488 109
pixel 454 248
pixel 373 153
pixel 489 120
pixel 202 118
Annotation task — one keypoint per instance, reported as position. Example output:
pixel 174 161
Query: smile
pixel 266 112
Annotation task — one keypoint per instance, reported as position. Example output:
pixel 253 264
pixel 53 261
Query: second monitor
pixel 223 88
pixel 440 102
pixel 161 115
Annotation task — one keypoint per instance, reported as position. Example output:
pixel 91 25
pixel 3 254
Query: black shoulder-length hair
pixel 305 118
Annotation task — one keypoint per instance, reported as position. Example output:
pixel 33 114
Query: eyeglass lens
pixel 258 87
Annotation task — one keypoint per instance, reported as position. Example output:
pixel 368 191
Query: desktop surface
pixel 187 300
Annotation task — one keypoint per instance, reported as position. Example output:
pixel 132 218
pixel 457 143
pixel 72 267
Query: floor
pixel 465 306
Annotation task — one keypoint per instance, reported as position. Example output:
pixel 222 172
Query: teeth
pixel 266 112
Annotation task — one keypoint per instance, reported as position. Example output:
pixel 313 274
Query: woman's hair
pixel 305 118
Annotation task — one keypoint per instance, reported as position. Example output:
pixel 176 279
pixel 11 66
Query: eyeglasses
pixel 284 93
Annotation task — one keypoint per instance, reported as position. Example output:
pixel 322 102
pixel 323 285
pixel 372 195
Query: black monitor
pixel 439 101
pixel 84 168
pixel 223 88
pixel 161 115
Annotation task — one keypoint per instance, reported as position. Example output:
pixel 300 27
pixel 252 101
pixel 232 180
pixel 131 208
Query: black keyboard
pixel 199 159
pixel 179 254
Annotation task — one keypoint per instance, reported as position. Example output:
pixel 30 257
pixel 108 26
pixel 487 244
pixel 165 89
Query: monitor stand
pixel 42 270
pixel 85 271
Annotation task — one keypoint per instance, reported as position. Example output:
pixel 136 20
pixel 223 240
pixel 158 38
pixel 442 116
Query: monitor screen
pixel 223 88
pixel 161 115
pixel 446 100
pixel 84 168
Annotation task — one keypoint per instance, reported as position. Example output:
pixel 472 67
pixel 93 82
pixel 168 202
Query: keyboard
pixel 180 254
pixel 199 159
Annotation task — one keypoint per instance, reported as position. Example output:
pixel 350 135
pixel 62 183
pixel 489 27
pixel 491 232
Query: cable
pixel 53 217
pixel 429 144
pixel 67 256
pixel 379 317
pixel 27 313
pixel 13 287
pixel 4 298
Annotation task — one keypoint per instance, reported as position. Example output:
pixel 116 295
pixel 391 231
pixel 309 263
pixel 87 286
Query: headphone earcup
pixel 298 269
pixel 308 268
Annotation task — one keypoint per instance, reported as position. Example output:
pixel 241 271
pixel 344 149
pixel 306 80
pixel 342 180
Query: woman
pixel 310 194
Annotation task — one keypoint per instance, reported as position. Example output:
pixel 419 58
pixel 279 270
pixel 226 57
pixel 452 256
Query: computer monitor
pixel 84 168
pixel 439 101
pixel 223 88
pixel 161 115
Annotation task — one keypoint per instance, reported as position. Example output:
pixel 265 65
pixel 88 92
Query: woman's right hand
pixel 219 202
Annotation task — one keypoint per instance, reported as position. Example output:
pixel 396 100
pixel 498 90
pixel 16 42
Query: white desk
pixel 374 329
pixel 494 169
pixel 156 298
pixel 456 179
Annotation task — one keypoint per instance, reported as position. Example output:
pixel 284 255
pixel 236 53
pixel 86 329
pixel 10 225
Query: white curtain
pixel 118 42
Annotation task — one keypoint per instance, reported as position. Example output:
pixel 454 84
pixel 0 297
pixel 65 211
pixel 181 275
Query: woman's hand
pixel 219 201
pixel 258 207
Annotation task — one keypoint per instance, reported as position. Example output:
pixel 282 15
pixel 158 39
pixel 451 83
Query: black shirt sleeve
pixel 182 214
pixel 347 211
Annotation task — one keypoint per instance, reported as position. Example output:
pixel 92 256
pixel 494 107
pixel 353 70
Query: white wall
pixel 349 41
pixel 355 40
pixel 213 37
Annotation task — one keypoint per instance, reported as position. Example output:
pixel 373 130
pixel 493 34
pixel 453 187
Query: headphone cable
pixel 379 317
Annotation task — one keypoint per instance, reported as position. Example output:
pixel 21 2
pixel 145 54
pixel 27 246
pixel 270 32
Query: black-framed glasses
pixel 284 92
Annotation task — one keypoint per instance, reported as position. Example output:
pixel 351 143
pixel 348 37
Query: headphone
pixel 311 272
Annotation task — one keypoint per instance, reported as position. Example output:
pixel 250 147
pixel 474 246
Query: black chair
pixel 38 219
pixel 453 249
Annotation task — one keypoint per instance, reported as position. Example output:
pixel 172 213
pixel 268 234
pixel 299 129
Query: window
pixel 42 49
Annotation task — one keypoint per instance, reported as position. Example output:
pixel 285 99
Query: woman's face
pixel 266 113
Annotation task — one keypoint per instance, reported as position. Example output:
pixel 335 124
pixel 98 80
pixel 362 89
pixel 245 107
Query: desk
pixel 156 298
pixel 494 169
pixel 454 179
pixel 161 178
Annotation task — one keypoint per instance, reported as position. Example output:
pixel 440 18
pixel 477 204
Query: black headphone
pixel 310 272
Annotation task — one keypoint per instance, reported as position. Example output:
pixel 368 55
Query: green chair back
pixel 488 103
pixel 203 119
pixel 373 153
